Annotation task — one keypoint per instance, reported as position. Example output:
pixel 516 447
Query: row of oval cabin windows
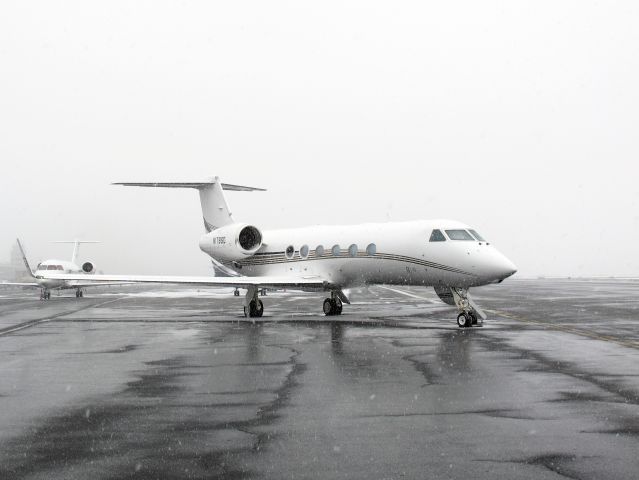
pixel 371 250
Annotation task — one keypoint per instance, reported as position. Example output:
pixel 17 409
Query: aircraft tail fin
pixel 24 259
pixel 215 210
pixel 76 246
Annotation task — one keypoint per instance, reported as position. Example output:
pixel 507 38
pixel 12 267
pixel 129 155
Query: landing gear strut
pixel 253 306
pixel 45 294
pixel 333 305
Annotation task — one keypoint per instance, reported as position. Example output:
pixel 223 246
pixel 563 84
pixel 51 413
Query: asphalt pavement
pixel 143 382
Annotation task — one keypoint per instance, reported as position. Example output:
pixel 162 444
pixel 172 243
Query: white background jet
pixel 84 271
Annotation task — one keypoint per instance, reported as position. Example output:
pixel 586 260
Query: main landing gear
pixel 253 306
pixel 332 306
pixel 79 293
pixel 45 294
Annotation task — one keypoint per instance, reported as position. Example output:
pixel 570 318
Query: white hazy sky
pixel 519 118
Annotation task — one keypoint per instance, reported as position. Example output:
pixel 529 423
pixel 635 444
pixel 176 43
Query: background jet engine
pixel 232 242
pixel 88 267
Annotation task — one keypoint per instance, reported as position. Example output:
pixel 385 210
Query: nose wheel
pixel 466 319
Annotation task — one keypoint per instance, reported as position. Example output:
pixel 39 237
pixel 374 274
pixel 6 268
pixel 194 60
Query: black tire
pixel 461 320
pixel 260 309
pixel 328 307
pixel 473 318
pixel 337 306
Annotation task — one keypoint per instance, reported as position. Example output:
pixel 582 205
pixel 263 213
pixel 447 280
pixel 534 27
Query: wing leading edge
pixel 314 282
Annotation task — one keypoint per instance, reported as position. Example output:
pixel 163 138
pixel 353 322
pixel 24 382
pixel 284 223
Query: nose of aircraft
pixel 504 267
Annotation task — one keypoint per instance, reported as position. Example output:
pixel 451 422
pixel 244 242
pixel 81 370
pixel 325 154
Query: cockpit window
pixel 459 235
pixel 437 236
pixel 477 235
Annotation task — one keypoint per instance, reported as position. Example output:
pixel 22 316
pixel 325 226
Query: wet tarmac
pixel 174 383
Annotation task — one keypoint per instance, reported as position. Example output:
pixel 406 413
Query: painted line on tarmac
pixel 408 294
pixel 565 329
pixel 33 323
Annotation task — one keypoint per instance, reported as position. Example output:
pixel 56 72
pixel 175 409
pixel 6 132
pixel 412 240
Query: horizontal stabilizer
pixel 197 185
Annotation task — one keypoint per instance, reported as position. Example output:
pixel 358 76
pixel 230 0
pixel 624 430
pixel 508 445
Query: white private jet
pixel 55 266
pixel 444 254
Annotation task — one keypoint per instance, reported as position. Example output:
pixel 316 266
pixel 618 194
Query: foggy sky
pixel 519 118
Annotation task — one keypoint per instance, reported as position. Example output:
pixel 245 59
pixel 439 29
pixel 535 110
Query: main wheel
pixel 473 318
pixel 328 307
pixel 337 303
pixel 255 309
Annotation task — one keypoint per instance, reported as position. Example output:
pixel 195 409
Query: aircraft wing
pixel 310 282
pixel 22 284
pixel 85 284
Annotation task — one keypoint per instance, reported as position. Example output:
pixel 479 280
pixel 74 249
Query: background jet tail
pixel 24 259
pixel 215 210
pixel 76 247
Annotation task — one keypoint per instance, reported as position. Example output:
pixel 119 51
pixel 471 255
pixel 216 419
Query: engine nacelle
pixel 232 242
pixel 88 267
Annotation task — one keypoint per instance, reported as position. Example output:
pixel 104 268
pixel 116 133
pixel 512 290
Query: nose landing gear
pixel 469 313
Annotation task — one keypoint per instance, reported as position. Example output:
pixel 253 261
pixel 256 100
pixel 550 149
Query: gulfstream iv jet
pixel 445 254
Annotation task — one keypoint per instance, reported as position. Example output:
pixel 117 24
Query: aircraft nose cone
pixel 506 268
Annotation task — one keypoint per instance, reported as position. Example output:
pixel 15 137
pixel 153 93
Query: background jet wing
pixel 22 284
pixel 311 282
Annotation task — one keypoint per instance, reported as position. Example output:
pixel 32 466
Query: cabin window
pixel 319 251
pixel 352 250
pixel 459 235
pixel 371 249
pixel 290 251
pixel 477 235
pixel 437 236
pixel 304 251
pixel 335 250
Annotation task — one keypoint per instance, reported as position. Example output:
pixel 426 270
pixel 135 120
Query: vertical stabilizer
pixel 215 210
pixel 76 247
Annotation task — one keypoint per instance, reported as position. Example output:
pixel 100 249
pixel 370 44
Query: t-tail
pixel 215 210
pixel 76 247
